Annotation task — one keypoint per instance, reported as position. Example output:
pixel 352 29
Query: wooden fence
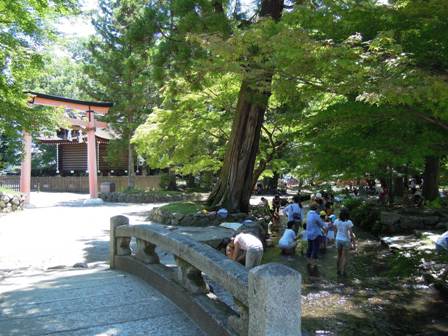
pixel 79 183
pixel 10 182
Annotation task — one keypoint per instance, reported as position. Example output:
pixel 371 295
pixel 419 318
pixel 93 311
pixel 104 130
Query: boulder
pixel 442 226
pixel 15 200
pixel 411 222
pixel 254 228
pixel 210 235
pixel 430 220
pixel 389 218
pixel 178 217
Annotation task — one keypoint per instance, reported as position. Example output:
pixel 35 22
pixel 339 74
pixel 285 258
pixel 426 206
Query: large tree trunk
pixel 131 172
pixel 234 187
pixel 172 184
pixel 191 182
pixel 431 178
pixel 399 186
pixel 273 182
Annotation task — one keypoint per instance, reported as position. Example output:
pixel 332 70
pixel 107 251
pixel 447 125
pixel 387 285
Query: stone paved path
pixel 42 294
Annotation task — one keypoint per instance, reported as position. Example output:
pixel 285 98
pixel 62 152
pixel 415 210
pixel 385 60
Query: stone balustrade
pixel 268 296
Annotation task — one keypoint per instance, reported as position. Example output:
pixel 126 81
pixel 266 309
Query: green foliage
pixel 184 208
pixel 61 75
pixel 190 130
pixel 366 216
pixel 352 203
pixel 435 204
pixel 156 193
pixel 23 30
pixel 44 157
pixel 354 86
pixel 403 265
pixel 8 191
pixel 164 181
pixel 116 63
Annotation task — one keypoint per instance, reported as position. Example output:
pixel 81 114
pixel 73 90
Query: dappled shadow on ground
pixel 96 250
pixel 89 302
pixel 369 301
pixel 80 203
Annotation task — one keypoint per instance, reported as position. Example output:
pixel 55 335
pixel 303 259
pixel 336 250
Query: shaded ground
pixel 41 293
pixel 374 299
pixel 87 303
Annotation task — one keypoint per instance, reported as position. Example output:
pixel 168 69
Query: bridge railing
pixel 268 296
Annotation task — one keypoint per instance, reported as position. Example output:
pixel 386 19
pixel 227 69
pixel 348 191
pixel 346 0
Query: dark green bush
pixel 365 216
pixel 352 203
pixel 164 181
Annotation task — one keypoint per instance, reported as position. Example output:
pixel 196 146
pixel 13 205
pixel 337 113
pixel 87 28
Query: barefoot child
pixel 344 239
pixel 287 242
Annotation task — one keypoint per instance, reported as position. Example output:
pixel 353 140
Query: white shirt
pixel 287 238
pixel 443 240
pixel 248 241
pixel 291 209
pixel 343 228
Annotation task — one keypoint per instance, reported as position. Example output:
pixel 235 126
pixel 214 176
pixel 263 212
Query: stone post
pixel 274 301
pixel 190 277
pixel 240 323
pixel 146 252
pixel 113 244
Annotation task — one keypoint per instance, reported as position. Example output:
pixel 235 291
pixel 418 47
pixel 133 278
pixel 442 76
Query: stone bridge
pixel 196 291
pixel 266 298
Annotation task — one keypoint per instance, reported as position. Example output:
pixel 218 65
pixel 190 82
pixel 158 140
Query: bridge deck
pixel 87 302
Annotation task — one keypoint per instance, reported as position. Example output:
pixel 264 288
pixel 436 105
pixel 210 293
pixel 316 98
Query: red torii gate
pixel 85 106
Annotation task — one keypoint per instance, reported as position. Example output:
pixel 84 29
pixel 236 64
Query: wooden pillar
pixel 25 172
pixel 91 154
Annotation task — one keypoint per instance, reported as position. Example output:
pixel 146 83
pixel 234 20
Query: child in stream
pixel 314 226
pixel 287 242
pixel 344 239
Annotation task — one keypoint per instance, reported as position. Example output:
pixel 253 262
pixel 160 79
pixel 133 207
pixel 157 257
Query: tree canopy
pixel 321 88
pixel 23 30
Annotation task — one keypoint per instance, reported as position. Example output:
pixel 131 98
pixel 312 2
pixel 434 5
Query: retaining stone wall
pixel 11 202
pixel 158 215
pixel 143 197
pixel 406 221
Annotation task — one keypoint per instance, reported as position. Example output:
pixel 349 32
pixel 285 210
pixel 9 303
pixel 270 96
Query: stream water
pixel 370 300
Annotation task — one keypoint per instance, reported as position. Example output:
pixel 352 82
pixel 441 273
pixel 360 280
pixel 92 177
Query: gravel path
pixel 57 231
pixel 42 293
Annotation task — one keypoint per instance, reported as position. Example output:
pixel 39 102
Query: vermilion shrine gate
pixel 89 108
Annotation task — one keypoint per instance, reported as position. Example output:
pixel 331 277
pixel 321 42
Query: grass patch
pixel 185 208
pixel 8 191
pixel 134 191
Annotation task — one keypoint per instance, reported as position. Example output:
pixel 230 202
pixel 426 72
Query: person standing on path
pixel 344 238
pixel 314 226
pixel 295 213
pixel 252 246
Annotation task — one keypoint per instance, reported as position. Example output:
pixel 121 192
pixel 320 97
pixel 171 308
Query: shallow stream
pixel 373 299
